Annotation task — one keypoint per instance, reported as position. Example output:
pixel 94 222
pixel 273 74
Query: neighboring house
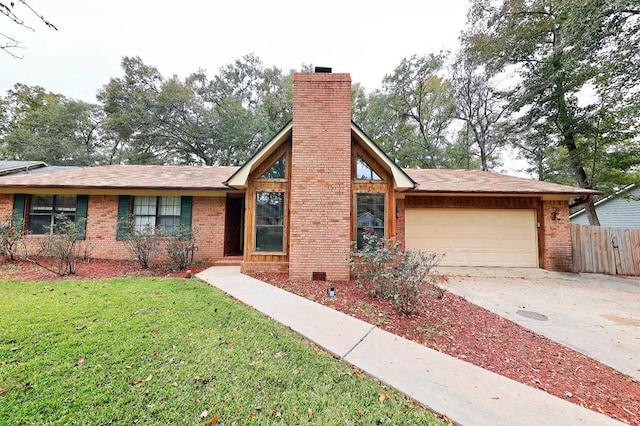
pixel 11 167
pixel 301 201
pixel 619 210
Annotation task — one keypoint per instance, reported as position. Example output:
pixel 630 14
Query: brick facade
pixel 207 218
pixel 556 236
pixel 320 200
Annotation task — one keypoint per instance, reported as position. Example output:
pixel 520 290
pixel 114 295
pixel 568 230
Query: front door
pixel 234 226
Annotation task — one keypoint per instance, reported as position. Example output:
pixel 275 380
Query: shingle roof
pixel 480 182
pixel 213 178
pixel 126 176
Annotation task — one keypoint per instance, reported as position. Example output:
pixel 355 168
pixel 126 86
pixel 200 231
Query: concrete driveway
pixel 598 315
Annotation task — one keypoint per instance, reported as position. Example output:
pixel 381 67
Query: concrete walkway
pixel 597 315
pixel 467 394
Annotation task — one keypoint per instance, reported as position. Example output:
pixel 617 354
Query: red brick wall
pixel 320 200
pixel 207 217
pixel 556 236
pixel 400 234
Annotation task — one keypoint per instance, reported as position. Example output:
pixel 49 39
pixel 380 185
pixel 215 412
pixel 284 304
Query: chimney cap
pixel 325 70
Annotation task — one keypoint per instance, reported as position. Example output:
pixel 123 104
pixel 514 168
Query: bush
pixel 180 248
pixel 10 236
pixel 389 272
pixel 144 245
pixel 65 246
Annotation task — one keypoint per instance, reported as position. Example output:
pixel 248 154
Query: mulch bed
pixel 450 324
pixel 446 323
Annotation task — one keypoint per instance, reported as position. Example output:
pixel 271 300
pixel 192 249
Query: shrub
pixel 180 248
pixel 10 236
pixel 65 246
pixel 389 272
pixel 144 245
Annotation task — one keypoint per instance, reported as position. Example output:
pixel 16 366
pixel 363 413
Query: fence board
pixel 605 250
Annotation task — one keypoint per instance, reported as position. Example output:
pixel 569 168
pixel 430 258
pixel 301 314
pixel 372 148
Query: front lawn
pixel 170 351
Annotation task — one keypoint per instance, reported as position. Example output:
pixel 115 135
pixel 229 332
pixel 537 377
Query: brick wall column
pixel 556 236
pixel 320 195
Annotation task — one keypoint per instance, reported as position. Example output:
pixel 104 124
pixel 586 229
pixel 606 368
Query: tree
pixel 557 49
pixel 481 107
pixel 44 126
pixel 410 116
pixel 195 120
pixel 9 44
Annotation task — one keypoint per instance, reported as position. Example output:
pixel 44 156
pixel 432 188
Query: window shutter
pixel 186 205
pixel 124 202
pixel 82 206
pixel 19 202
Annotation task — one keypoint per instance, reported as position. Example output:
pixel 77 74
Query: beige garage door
pixel 475 237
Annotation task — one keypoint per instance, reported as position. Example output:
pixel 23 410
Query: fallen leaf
pixel 212 421
pixel 309 412
pixel 200 379
pixel 295 372
pixel 3 391
pixel 204 414
pixel 259 351
pixel 278 354
pixel 495 397
pixel 127 367
pixel 81 361
pixel 155 354
pixel 14 349
pixel 252 415
pixel 149 377
pixel 382 397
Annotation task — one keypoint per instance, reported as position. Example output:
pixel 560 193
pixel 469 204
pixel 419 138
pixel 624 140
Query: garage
pixel 475 237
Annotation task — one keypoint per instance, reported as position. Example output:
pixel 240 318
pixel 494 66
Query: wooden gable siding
pixel 619 212
pixel 385 185
pixel 275 185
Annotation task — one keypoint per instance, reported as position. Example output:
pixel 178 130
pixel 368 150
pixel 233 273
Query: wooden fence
pixel 606 250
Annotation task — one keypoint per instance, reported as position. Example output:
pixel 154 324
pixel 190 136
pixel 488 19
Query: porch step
pixel 229 261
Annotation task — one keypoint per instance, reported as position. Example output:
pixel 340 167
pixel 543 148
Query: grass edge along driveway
pixel 171 351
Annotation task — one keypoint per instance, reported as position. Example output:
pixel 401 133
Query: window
pixel 370 215
pixel 364 171
pixel 43 210
pixel 276 171
pixel 152 213
pixel 269 222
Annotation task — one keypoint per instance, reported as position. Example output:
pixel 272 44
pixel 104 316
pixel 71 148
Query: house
pixel 11 167
pixel 298 204
pixel 620 210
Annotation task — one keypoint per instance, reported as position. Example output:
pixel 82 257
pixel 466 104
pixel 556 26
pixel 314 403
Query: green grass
pixel 164 351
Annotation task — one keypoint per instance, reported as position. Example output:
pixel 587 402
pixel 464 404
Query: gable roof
pixel 607 199
pixel 125 177
pixel 240 177
pixel 238 180
pixel 477 182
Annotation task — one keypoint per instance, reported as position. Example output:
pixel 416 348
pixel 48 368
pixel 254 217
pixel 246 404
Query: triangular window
pixel 364 171
pixel 276 171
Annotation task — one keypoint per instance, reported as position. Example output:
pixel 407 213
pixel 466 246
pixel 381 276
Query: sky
pixel 367 39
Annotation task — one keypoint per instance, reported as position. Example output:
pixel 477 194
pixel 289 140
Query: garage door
pixel 475 237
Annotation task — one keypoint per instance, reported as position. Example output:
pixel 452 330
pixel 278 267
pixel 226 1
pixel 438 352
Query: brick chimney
pixel 320 204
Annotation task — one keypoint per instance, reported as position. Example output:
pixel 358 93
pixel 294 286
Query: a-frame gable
pixel 240 179
pixel 401 181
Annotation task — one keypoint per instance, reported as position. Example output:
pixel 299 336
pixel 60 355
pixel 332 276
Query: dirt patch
pixel 623 320
pixel 450 324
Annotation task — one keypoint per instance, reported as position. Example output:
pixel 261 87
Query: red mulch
pixel 23 270
pixel 447 323
pixel 450 324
